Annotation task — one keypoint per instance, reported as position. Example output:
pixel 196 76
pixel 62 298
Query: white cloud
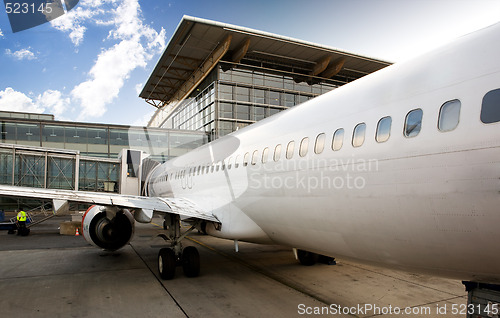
pixel 108 75
pixel 23 54
pixel 11 100
pixel 50 101
pixel 133 45
pixel 73 21
pixel 54 102
pixel 143 121
pixel 1 33
pixel 138 88
pixel 115 64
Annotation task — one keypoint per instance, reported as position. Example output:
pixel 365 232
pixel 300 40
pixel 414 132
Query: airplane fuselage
pixel 418 192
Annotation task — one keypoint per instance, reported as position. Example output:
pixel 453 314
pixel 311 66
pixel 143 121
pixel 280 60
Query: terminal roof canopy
pixel 197 45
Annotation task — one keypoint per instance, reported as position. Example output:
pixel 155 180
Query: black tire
pixel 327 260
pixel 307 258
pixel 191 261
pixel 166 263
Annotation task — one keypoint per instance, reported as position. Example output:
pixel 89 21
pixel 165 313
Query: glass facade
pixel 56 170
pixel 33 116
pixel 104 141
pixel 236 95
pixel 58 165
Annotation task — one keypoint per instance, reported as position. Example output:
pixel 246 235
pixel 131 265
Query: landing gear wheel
pixel 166 263
pixel 307 258
pixel 191 261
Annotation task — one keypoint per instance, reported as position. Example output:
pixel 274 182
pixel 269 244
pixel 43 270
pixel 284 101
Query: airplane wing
pixel 179 206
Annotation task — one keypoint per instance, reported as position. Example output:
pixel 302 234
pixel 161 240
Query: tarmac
pixel 47 274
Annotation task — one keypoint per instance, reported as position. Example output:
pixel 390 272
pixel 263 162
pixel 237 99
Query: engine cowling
pixel 108 227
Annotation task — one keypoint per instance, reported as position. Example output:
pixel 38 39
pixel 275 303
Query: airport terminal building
pixel 217 77
pixel 212 79
pixel 38 151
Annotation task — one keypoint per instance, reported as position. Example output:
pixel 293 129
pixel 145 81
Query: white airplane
pixel 400 168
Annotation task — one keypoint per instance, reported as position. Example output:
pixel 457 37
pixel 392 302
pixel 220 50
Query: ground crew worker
pixel 21 222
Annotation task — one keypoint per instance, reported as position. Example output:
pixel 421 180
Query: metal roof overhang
pixel 198 44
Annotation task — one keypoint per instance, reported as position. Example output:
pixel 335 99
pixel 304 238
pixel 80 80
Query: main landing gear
pixel 309 258
pixel 170 258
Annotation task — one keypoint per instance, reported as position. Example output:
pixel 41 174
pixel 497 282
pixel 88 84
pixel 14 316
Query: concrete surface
pixel 50 275
pixel 69 227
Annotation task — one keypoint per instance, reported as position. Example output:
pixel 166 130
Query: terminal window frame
pixel 383 129
pixel 449 115
pixel 338 139
pixel 490 107
pixel 358 135
pixel 413 123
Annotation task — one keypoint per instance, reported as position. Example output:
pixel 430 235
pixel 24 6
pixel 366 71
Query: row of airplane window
pixel 449 117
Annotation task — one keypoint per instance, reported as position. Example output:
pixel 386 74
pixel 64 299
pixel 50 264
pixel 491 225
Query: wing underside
pixel 180 206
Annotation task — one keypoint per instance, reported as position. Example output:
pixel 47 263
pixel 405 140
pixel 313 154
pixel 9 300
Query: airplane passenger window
pixel 277 152
pixel 255 157
pixel 304 145
pixel 358 135
pixel 265 154
pixel 229 162
pixel 490 109
pixel 413 123
pixel 289 149
pixel 245 159
pixel 320 143
pixel 338 139
pixel 236 161
pixel 383 129
pixel 449 115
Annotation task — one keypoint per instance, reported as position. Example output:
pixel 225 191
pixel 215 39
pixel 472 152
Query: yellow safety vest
pixel 21 216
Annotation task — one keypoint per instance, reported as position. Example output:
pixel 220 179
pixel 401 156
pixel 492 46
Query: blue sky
pixel 90 64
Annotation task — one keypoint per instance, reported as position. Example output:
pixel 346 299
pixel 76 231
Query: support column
pixel 77 170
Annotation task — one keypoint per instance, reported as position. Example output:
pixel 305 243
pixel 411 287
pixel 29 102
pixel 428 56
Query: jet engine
pixel 108 227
